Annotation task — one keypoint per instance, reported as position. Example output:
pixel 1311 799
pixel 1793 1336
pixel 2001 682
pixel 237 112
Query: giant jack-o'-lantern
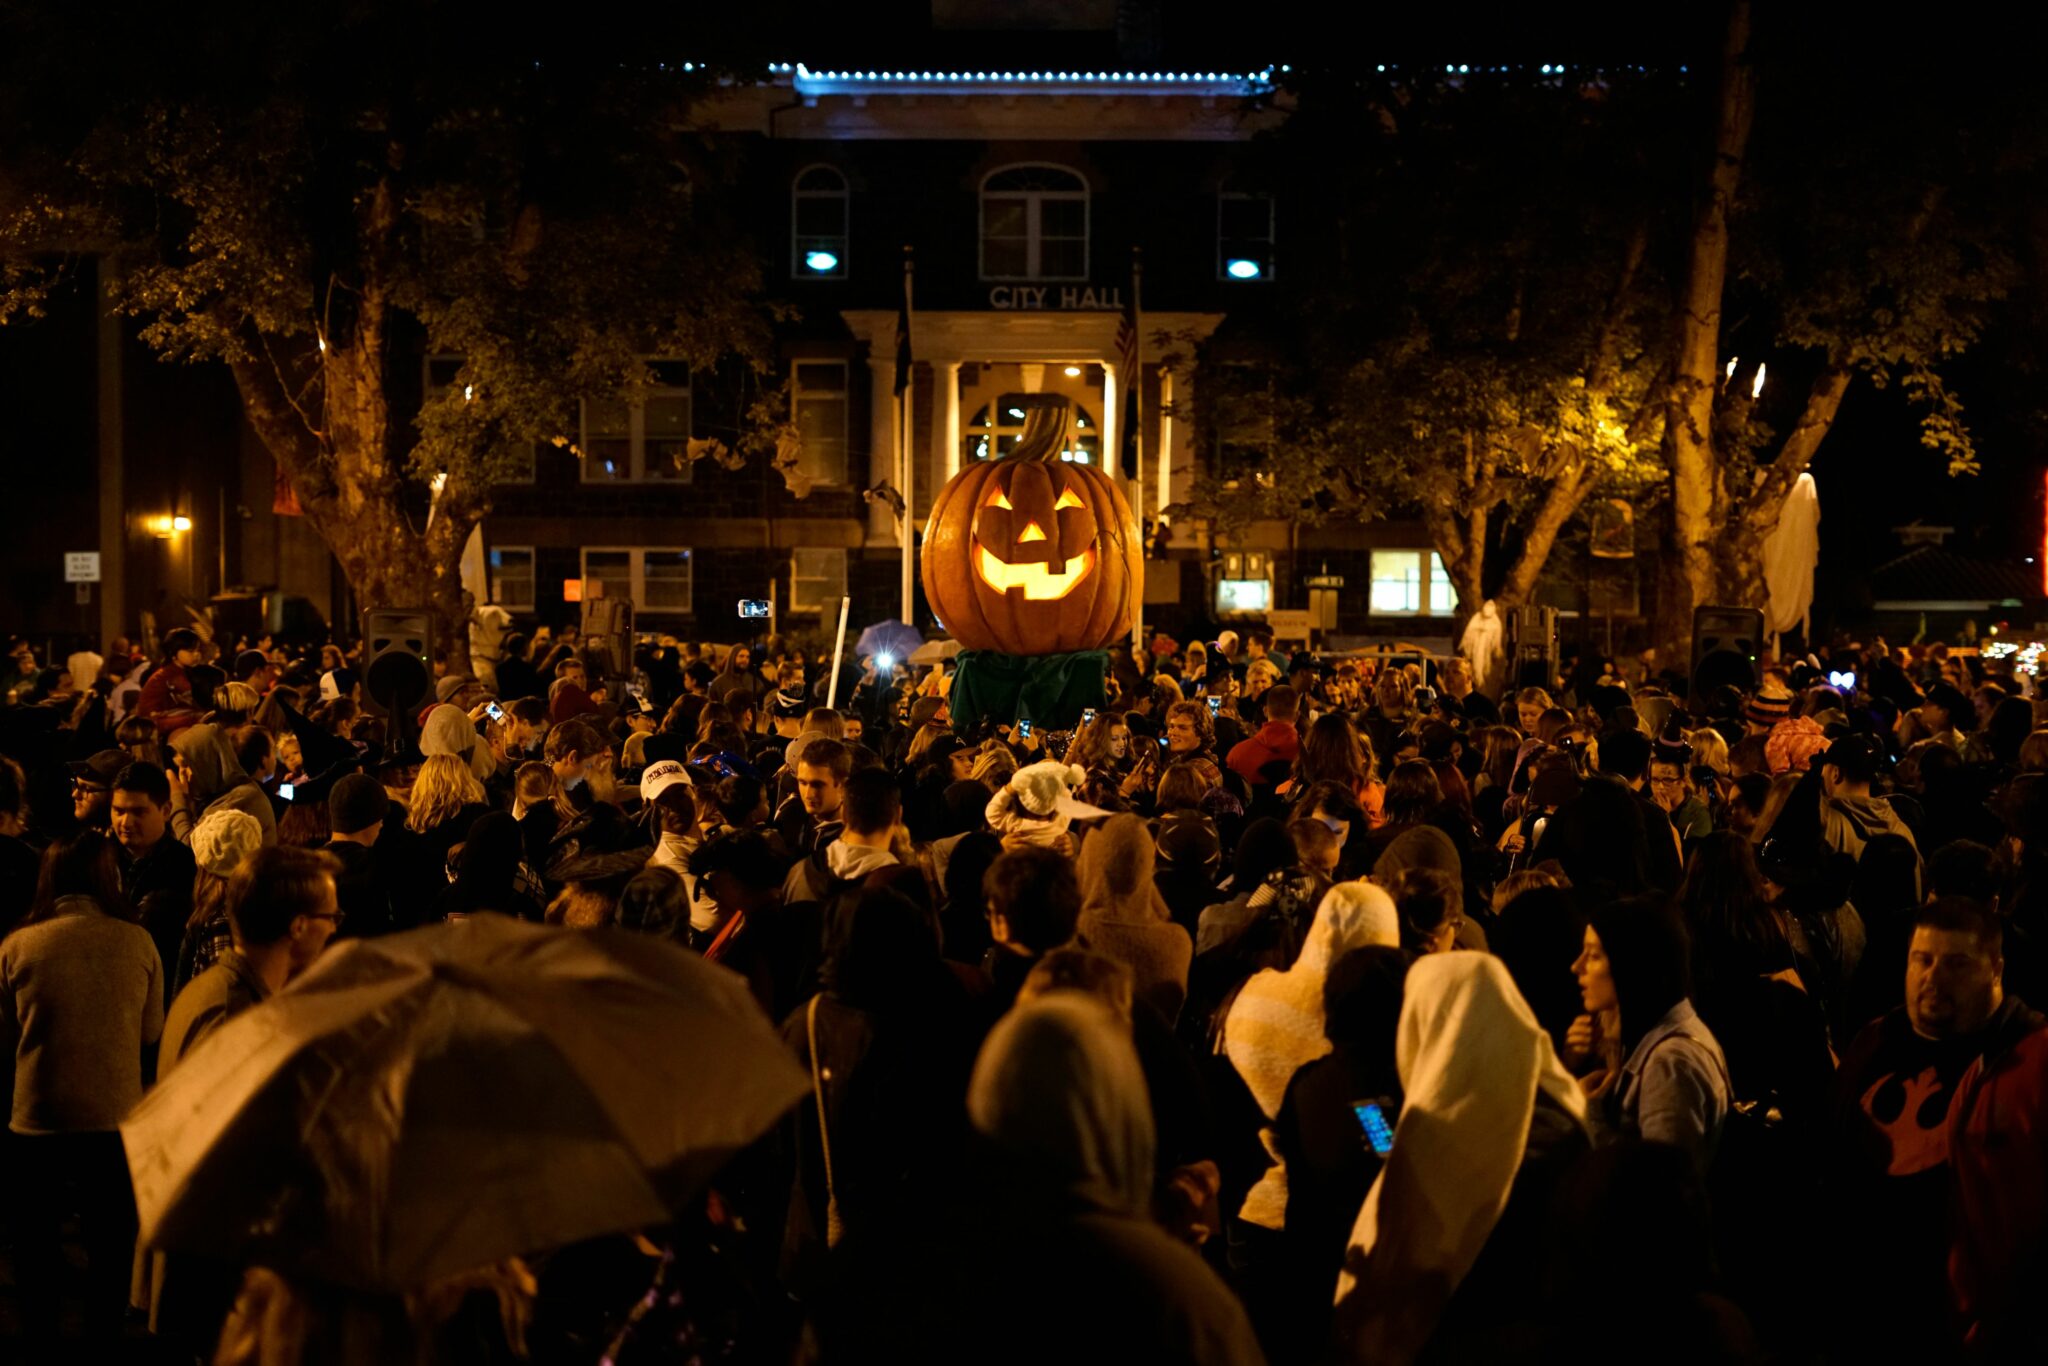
pixel 1031 555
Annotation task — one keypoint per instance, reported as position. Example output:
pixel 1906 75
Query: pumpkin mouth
pixel 1039 583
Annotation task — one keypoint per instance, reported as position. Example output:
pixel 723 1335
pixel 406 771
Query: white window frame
pixel 636 440
pixel 1034 203
pixel 845 395
pixel 637 574
pixel 800 245
pixel 532 577
pixel 1085 436
pixel 427 390
pixel 833 588
pixel 1223 255
pixel 1431 577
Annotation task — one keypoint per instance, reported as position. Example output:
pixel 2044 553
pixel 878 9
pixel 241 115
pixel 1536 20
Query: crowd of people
pixel 1296 1009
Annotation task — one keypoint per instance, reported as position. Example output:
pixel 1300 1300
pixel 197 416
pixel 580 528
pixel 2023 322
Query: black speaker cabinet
pixel 1727 647
pixel 398 661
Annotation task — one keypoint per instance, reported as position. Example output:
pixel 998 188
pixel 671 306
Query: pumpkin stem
pixel 1046 417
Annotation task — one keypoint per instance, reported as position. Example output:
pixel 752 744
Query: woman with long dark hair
pixel 1334 750
pixel 1665 1078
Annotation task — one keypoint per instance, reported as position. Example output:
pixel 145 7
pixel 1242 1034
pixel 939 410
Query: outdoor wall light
pixel 821 262
pixel 1242 268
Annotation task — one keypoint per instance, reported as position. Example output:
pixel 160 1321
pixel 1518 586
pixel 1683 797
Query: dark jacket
pixel 159 890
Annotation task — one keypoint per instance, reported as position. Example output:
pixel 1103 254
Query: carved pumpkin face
pixel 1032 556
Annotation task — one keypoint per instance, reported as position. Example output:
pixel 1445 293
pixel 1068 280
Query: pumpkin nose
pixel 1031 532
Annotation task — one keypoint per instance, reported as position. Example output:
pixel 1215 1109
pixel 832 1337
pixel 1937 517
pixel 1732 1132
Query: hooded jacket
pixel 1124 917
pixel 1849 823
pixel 1475 1066
pixel 449 730
pixel 217 781
pixel 1275 1025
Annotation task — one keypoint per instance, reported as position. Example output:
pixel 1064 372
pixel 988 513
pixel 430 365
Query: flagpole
pixel 1133 407
pixel 907 529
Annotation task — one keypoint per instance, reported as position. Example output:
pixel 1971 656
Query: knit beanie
pixel 357 803
pixel 1768 707
pixel 224 839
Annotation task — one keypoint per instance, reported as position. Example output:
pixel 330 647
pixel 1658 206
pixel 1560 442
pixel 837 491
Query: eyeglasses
pixel 338 917
pixel 81 785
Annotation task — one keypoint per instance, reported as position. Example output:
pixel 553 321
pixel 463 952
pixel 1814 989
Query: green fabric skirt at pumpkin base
pixel 1050 690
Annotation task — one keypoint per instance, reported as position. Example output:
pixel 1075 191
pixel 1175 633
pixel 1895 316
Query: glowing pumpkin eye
pixel 1002 501
pixel 1067 500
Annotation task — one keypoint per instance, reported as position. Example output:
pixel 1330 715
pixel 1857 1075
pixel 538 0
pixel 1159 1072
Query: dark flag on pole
pixel 1127 375
pixel 903 331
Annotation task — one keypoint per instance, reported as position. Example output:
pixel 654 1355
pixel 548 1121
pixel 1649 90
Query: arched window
pixel 1034 224
pixel 818 219
pixel 996 427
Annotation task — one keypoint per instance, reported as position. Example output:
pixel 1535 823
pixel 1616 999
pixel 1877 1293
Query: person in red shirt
pixel 167 694
pixel 1275 742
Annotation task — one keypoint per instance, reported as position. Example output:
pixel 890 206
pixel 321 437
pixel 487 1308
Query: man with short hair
pixel 156 869
pixel 1274 743
pixel 1851 816
pixel 92 788
pixel 283 908
pixel 568 698
pixel 810 818
pixel 1941 1162
pixel 869 807
pixel 1034 905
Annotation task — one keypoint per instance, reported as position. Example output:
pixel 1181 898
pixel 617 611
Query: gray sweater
pixel 81 993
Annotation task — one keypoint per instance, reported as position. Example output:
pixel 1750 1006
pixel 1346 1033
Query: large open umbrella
pixel 429 1102
pixel 888 638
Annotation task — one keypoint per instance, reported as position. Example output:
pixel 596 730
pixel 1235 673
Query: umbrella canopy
pixel 888 638
pixel 425 1103
pixel 935 652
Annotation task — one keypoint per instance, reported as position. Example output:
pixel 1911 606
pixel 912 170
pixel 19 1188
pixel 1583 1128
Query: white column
pixel 1167 399
pixel 1112 420
pixel 882 448
pixel 946 379
pixel 907 529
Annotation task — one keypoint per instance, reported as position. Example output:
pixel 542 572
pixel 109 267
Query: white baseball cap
pixel 660 777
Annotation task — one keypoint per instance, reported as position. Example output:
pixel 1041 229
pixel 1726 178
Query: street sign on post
pixel 1290 625
pixel 81 566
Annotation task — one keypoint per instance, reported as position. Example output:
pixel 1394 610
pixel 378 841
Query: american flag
pixel 1127 375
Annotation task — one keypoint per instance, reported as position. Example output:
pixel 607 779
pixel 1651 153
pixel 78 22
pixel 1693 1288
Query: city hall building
pixel 1044 212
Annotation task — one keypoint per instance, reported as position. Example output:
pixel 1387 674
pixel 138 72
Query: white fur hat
pixel 1043 788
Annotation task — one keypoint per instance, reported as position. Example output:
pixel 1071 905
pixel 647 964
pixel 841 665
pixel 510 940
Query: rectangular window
pixel 1410 583
pixel 655 578
pixel 510 572
pixel 819 400
pixel 646 442
pixel 1244 237
pixel 817 580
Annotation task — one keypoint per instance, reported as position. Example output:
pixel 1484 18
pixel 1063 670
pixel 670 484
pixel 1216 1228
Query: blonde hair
pixel 1709 749
pixel 994 766
pixel 445 785
pixel 236 697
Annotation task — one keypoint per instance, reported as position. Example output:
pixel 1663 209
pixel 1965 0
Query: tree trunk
pixel 1697 508
pixel 351 491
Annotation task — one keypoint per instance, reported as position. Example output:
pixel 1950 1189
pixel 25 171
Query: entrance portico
pixel 1027 348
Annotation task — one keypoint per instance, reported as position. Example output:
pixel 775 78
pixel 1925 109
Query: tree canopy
pixel 321 201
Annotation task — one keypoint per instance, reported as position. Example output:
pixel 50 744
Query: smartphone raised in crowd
pixel 494 711
pixel 1024 727
pixel 1088 717
pixel 1215 704
pixel 1376 1121
pixel 284 790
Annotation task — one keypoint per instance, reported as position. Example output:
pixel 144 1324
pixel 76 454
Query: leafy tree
pixel 319 200
pixel 1479 346
pixel 1852 222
